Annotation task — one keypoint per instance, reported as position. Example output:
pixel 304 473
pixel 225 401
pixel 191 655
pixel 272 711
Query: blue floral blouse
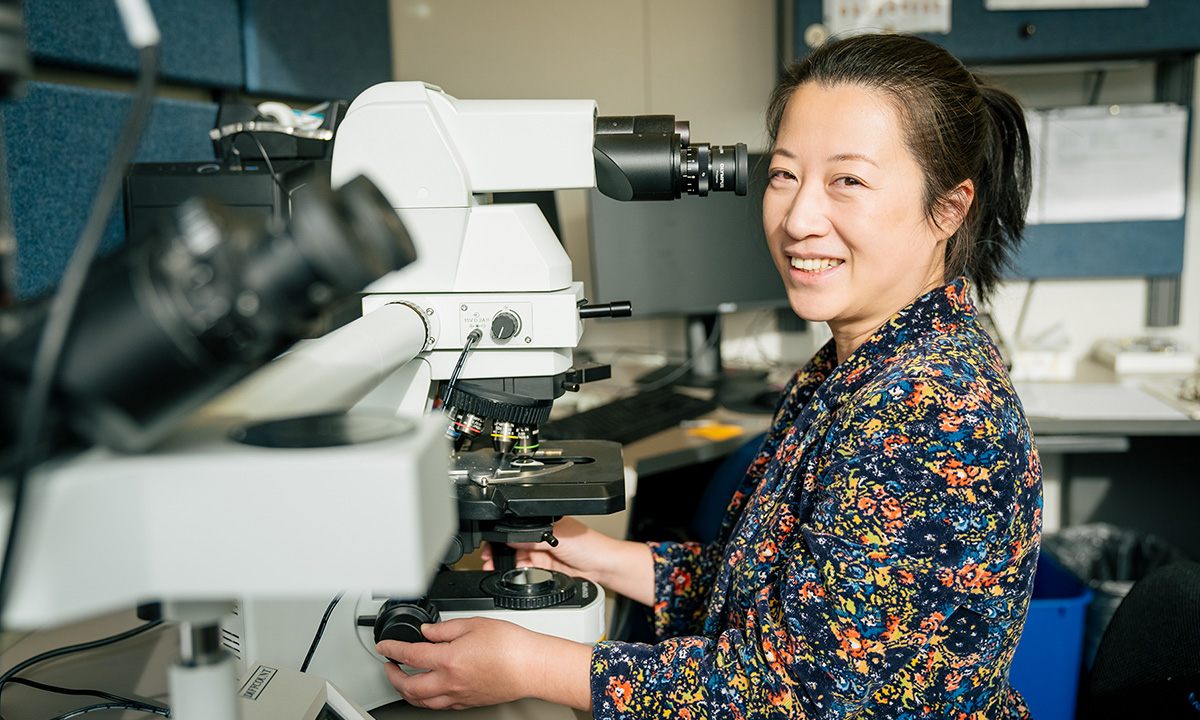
pixel 876 561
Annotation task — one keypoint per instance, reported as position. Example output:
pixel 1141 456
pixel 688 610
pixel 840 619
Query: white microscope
pixel 351 463
pixel 495 287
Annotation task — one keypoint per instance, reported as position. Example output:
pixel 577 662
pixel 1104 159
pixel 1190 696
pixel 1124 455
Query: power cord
pixel 124 702
pixel 709 344
pixel 472 338
pixel 312 649
pixel 262 151
pixel 112 706
pixel 10 675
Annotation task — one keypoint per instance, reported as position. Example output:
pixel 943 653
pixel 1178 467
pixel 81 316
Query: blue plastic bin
pixel 1049 656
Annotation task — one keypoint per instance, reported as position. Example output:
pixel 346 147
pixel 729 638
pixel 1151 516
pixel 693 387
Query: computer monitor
pixel 696 257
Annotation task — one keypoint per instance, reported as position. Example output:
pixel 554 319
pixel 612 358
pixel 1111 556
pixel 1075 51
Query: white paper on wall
pixel 850 17
pixel 1112 163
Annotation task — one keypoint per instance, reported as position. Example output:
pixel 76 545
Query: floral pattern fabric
pixel 876 561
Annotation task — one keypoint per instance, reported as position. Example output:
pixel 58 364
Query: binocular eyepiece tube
pixel 651 157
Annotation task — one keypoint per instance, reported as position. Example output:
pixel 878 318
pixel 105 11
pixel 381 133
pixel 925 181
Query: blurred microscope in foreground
pixel 494 287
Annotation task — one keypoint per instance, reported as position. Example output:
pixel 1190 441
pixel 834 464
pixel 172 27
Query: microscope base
pixel 278 633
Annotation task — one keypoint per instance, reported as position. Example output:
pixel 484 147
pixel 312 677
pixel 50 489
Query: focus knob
pixel 401 620
pixel 505 325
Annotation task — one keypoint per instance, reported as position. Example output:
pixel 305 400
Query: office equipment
pixel 153 191
pixel 1145 355
pixel 630 418
pixel 690 258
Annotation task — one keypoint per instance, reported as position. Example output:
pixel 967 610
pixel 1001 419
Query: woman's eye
pixel 847 181
pixel 780 175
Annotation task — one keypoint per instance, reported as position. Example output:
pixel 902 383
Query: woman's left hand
pixel 481 661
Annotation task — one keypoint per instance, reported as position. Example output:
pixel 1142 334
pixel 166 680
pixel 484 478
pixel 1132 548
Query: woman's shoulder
pixel 961 369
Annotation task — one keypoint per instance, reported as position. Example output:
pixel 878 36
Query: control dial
pixel 401 620
pixel 528 588
pixel 505 324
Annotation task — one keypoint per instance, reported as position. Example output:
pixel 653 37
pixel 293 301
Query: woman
pixel 877 560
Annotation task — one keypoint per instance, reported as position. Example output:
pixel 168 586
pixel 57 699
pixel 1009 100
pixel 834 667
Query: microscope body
pixel 496 268
pixel 503 315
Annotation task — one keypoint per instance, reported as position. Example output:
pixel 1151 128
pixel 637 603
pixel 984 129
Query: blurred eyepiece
pixel 169 322
pixel 651 157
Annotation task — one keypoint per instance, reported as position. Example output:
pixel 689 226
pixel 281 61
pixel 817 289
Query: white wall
pixel 713 62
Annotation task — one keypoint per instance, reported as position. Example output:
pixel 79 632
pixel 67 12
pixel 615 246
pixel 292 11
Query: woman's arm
pixel 622 566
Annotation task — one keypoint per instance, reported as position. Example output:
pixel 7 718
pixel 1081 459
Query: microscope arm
pixel 329 374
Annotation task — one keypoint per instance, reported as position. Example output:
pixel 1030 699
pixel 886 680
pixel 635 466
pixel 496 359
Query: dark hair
pixel 957 127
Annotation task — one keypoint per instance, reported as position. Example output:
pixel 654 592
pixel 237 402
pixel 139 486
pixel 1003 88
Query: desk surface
pixel 1098 413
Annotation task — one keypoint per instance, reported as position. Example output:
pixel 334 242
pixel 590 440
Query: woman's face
pixel 843 213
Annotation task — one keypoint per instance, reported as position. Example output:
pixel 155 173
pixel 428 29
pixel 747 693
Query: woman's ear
pixel 953 210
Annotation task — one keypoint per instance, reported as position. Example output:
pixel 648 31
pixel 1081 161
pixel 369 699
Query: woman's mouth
pixel 814 265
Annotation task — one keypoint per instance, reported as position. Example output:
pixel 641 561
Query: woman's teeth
pixel 811 265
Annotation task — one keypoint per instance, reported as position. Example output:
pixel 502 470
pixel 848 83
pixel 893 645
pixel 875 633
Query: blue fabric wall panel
pixel 201 40
pixel 1110 249
pixel 316 49
pixel 59 140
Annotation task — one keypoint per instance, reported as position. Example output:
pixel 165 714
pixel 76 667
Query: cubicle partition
pixel 60 134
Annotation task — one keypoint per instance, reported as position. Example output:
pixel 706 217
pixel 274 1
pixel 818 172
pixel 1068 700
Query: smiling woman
pixel 877 558
pixel 848 230
pixel 888 193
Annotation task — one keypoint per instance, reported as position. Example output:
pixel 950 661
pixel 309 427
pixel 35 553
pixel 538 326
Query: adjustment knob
pixel 402 620
pixel 505 324
pixel 528 588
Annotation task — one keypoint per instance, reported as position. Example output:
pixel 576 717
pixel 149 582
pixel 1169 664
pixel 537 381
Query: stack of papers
pixel 1093 401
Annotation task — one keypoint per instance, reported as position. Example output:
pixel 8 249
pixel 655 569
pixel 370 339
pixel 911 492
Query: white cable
pixel 140 27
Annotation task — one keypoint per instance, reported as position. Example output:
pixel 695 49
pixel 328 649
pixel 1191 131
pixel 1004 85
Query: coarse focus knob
pixel 402 620
pixel 505 324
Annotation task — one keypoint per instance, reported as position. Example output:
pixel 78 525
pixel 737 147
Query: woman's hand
pixel 622 566
pixel 481 661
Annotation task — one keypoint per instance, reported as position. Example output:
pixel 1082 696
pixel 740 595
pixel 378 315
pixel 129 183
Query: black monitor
pixel 696 257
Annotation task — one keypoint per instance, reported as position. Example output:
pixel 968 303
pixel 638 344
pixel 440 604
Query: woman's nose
pixel 807 213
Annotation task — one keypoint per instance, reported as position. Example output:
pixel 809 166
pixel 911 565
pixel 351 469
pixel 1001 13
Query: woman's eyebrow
pixel 843 157
pixel 840 157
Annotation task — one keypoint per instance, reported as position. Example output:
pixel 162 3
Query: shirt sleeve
pixel 912 499
pixel 683 577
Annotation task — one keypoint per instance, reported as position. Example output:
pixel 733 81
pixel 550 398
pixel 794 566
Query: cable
pixel 111 706
pixel 62 307
pixel 472 338
pixel 128 702
pixel 67 650
pixel 262 151
pixel 713 338
pixel 320 631
pixel 81 647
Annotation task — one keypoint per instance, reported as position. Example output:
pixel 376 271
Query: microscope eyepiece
pixel 651 157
